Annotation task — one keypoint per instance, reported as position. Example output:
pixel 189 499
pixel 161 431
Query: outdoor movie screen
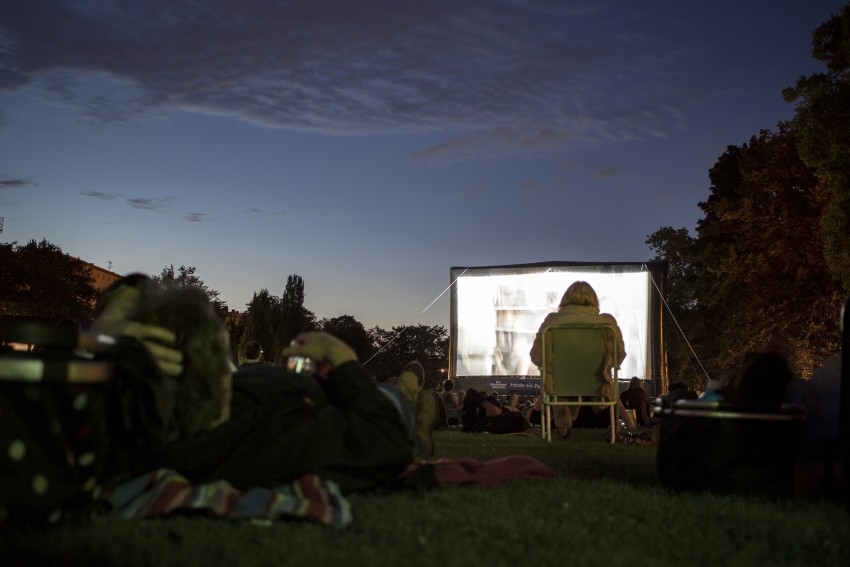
pixel 497 311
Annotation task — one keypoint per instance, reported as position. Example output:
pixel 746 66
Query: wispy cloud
pixel 149 203
pixel 7 182
pixel 606 172
pixel 558 69
pixel 153 204
pixel 101 196
pixel 269 212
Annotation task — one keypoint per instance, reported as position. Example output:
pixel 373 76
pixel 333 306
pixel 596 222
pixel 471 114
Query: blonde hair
pixel 580 293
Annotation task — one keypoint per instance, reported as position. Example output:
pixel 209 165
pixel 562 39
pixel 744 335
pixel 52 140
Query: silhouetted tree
pixel 398 346
pixel 185 276
pixel 352 332
pixel 755 275
pixel 293 317
pixel 260 323
pixel 39 280
pixel 822 124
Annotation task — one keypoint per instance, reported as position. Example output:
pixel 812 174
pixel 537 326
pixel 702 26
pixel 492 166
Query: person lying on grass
pixel 261 429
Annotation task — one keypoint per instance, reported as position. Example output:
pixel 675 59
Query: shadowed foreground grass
pixel 605 508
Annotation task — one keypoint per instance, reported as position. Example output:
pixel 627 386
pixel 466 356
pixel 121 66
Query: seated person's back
pixel 636 398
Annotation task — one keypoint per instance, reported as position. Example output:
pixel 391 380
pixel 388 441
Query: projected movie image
pixel 497 317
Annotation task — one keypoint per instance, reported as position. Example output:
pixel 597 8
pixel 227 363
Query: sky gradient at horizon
pixel 369 147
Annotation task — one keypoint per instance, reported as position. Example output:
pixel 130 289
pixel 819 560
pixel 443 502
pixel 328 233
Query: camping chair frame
pixel 575 353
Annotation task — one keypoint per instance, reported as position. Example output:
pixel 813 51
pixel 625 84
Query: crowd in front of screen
pixel 262 425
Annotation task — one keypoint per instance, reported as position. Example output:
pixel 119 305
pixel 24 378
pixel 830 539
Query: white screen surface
pixel 499 315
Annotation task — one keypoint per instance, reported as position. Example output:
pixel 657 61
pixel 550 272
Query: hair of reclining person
pixel 202 391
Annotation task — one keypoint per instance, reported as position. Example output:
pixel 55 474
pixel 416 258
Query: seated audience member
pixel 258 432
pixel 765 378
pixel 482 412
pixel 427 403
pixel 715 388
pixel 253 353
pixel 580 304
pixel 636 398
pixel 450 398
pixel 532 413
pixel 460 397
pixel 821 396
pixel 680 391
pixel 441 415
pixel 818 470
pixel 451 402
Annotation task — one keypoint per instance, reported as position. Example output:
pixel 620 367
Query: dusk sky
pixel 369 146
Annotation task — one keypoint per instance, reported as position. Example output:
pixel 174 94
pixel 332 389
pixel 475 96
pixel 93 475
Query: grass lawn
pixel 604 508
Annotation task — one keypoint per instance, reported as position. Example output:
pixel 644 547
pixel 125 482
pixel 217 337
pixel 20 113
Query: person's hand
pixel 325 349
pixel 114 321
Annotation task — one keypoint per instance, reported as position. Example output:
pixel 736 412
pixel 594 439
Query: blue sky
pixel 370 146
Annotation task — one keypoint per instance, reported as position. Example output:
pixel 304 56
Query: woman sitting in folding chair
pixel 581 305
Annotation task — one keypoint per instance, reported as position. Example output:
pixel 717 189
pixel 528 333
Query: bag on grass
pixel 721 446
pixel 69 422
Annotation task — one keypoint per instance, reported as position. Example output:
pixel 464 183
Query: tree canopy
pixel 39 280
pixel 352 332
pixel 770 261
pixel 274 321
pixel 185 277
pixel 404 343
pixel 822 125
pixel 756 275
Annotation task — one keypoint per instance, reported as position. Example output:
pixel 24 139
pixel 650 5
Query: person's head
pixel 764 379
pixel 416 368
pixel 202 392
pixel 635 383
pixel 253 351
pixel 448 385
pixel 580 293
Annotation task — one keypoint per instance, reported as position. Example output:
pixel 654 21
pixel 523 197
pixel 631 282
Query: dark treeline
pixel 770 261
pixel 38 280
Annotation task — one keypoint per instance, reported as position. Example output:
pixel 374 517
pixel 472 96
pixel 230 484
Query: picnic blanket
pixel 165 491
pixel 484 473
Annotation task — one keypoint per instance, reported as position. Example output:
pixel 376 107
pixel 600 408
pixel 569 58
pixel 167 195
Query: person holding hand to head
pixel 262 429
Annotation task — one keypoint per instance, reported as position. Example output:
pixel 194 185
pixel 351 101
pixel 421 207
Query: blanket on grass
pixel 483 473
pixel 165 491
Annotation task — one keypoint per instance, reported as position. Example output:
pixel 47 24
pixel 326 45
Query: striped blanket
pixel 165 491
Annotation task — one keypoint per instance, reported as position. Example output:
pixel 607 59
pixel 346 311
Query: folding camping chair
pixel 572 370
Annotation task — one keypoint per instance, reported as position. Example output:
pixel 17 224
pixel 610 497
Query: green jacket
pixel 284 425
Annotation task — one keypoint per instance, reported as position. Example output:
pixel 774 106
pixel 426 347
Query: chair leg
pixel 613 428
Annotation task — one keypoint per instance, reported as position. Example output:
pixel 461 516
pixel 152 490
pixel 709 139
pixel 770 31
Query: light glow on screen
pixel 498 316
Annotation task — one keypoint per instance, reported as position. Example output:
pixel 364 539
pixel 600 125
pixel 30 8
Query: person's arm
pixel 114 320
pixel 536 352
pixel 328 351
pixel 618 334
